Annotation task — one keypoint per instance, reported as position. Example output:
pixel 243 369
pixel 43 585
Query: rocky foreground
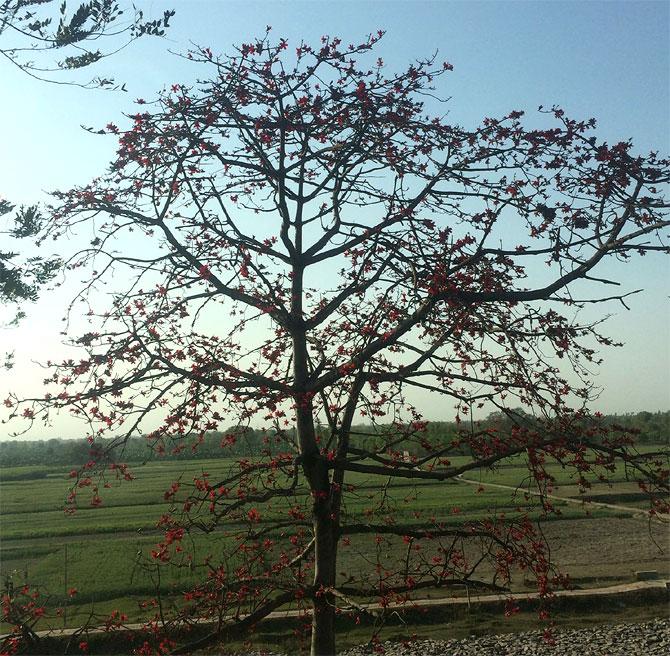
pixel 648 639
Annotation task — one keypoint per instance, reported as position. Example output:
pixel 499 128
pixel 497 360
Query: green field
pixel 99 551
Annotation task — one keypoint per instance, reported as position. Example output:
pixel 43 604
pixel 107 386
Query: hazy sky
pixel 610 60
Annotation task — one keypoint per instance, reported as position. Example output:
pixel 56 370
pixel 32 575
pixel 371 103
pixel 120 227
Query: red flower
pixel 360 91
pixel 254 515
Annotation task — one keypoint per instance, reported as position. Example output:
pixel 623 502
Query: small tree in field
pixel 296 243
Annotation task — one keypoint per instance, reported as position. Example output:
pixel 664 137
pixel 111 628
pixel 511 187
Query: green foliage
pixel 648 427
pixel 20 279
pixel 43 452
pixel 653 427
pixel 47 28
pixel 26 26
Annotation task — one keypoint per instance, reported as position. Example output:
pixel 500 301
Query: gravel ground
pixel 648 639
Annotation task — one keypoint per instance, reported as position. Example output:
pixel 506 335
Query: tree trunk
pixel 323 618
pixel 316 472
pixel 324 525
pixel 324 522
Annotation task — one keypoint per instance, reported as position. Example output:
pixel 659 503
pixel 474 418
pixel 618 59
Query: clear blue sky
pixel 610 60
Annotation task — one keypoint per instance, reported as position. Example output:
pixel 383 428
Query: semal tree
pixel 297 244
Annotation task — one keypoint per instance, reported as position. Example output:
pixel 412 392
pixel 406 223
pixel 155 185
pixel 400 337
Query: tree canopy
pixel 299 243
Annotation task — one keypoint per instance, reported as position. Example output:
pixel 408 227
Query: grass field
pixel 97 550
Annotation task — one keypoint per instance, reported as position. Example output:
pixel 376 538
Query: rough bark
pixel 323 618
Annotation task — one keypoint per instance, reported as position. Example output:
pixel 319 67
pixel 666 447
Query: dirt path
pixel 613 591
pixel 638 513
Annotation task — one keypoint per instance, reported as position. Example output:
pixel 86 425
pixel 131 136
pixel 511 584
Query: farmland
pixel 99 551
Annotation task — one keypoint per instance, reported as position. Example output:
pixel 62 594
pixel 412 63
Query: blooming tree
pixel 298 244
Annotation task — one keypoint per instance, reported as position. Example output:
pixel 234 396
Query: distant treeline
pixel 653 427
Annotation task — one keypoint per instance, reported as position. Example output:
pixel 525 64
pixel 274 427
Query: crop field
pixel 99 551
